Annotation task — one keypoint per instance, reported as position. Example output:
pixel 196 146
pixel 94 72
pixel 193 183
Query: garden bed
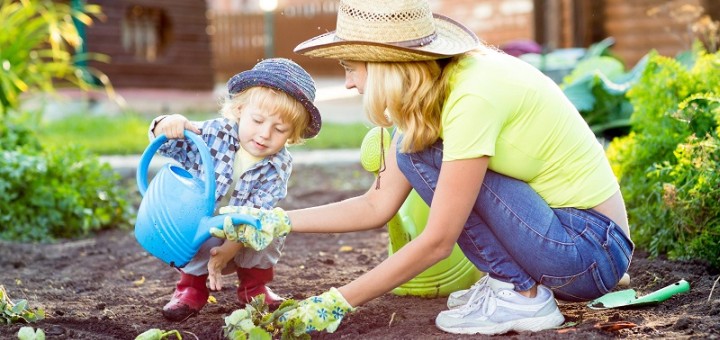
pixel 107 287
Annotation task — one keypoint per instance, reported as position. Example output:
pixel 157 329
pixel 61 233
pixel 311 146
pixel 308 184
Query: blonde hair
pixel 408 95
pixel 270 100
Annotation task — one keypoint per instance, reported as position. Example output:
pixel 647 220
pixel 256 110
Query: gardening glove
pixel 273 223
pixel 322 312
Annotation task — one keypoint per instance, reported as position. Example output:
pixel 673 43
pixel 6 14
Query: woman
pixel 510 170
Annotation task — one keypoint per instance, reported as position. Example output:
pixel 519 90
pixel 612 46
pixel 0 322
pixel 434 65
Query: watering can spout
pixel 176 212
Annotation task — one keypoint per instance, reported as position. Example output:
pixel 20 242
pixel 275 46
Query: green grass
pixel 126 134
pixel 336 136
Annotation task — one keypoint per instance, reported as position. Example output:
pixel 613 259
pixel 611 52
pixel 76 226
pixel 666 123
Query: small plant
pixel 158 334
pixel 19 311
pixel 28 333
pixel 255 321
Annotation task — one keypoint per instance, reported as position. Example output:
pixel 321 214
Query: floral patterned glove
pixel 273 223
pixel 322 312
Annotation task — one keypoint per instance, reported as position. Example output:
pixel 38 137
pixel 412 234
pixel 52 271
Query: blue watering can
pixel 176 212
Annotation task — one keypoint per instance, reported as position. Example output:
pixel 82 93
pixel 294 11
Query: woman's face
pixel 355 74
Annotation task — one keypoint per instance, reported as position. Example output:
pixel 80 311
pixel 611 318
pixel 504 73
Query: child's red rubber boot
pixel 191 295
pixel 252 283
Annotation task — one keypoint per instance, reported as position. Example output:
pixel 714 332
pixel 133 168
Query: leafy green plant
pixel 18 311
pixel 255 321
pixel 28 333
pixel 58 192
pixel 158 334
pixel 15 133
pixel 667 164
pixel 597 87
pixel 690 183
pixel 38 38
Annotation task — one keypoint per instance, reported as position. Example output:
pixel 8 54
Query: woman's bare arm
pixel 368 211
pixel 457 190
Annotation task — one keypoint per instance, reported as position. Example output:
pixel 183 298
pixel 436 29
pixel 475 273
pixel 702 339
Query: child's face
pixel 262 133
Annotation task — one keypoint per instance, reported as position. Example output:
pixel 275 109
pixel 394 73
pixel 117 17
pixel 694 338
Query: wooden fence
pixel 153 44
pixel 239 42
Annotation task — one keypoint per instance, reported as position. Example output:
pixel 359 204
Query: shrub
pixel 667 165
pixel 58 192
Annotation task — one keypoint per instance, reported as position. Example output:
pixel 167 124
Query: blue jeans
pixel 514 236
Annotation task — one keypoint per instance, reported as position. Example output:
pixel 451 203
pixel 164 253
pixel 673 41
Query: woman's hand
pixel 322 312
pixel 173 127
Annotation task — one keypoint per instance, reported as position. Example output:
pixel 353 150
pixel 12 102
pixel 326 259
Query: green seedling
pixel 28 333
pixel 12 312
pixel 158 334
pixel 256 322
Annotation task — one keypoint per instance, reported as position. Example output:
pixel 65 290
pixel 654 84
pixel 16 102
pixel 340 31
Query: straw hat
pixel 390 30
pixel 282 75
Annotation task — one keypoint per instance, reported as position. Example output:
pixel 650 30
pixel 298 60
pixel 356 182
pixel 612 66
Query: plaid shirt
pixel 260 186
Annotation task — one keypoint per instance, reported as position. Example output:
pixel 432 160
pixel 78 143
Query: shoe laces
pixel 480 300
pixel 480 283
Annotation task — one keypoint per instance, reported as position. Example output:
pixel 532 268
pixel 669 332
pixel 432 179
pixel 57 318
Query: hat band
pixel 419 42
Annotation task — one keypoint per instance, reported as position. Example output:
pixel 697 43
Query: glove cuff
pixel 341 299
pixel 285 226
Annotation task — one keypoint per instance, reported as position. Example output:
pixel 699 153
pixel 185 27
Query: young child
pixel 267 108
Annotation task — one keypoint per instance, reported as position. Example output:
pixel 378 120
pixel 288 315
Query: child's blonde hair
pixel 290 110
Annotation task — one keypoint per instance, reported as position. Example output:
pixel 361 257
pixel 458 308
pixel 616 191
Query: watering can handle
pixel 142 181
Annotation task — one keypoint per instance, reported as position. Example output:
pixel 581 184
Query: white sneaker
pixel 499 309
pixel 461 297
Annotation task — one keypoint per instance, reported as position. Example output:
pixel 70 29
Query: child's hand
pixel 173 126
pixel 219 258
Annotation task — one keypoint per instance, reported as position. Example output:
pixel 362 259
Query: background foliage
pixel 38 39
pixel 57 190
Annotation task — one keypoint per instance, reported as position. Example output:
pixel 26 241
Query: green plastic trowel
pixel 629 298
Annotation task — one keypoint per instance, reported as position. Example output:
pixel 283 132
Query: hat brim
pixel 252 78
pixel 452 39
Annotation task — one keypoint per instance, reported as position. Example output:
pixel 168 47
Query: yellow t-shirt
pixel 527 127
pixel 243 161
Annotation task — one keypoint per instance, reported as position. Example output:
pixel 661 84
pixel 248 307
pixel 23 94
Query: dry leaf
pixel 140 281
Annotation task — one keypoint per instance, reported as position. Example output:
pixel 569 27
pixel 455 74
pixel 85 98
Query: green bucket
pixel 455 272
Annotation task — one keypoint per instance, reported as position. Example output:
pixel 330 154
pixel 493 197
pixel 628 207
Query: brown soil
pixel 88 290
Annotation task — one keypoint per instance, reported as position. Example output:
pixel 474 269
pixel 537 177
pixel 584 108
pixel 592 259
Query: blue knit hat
pixel 283 75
